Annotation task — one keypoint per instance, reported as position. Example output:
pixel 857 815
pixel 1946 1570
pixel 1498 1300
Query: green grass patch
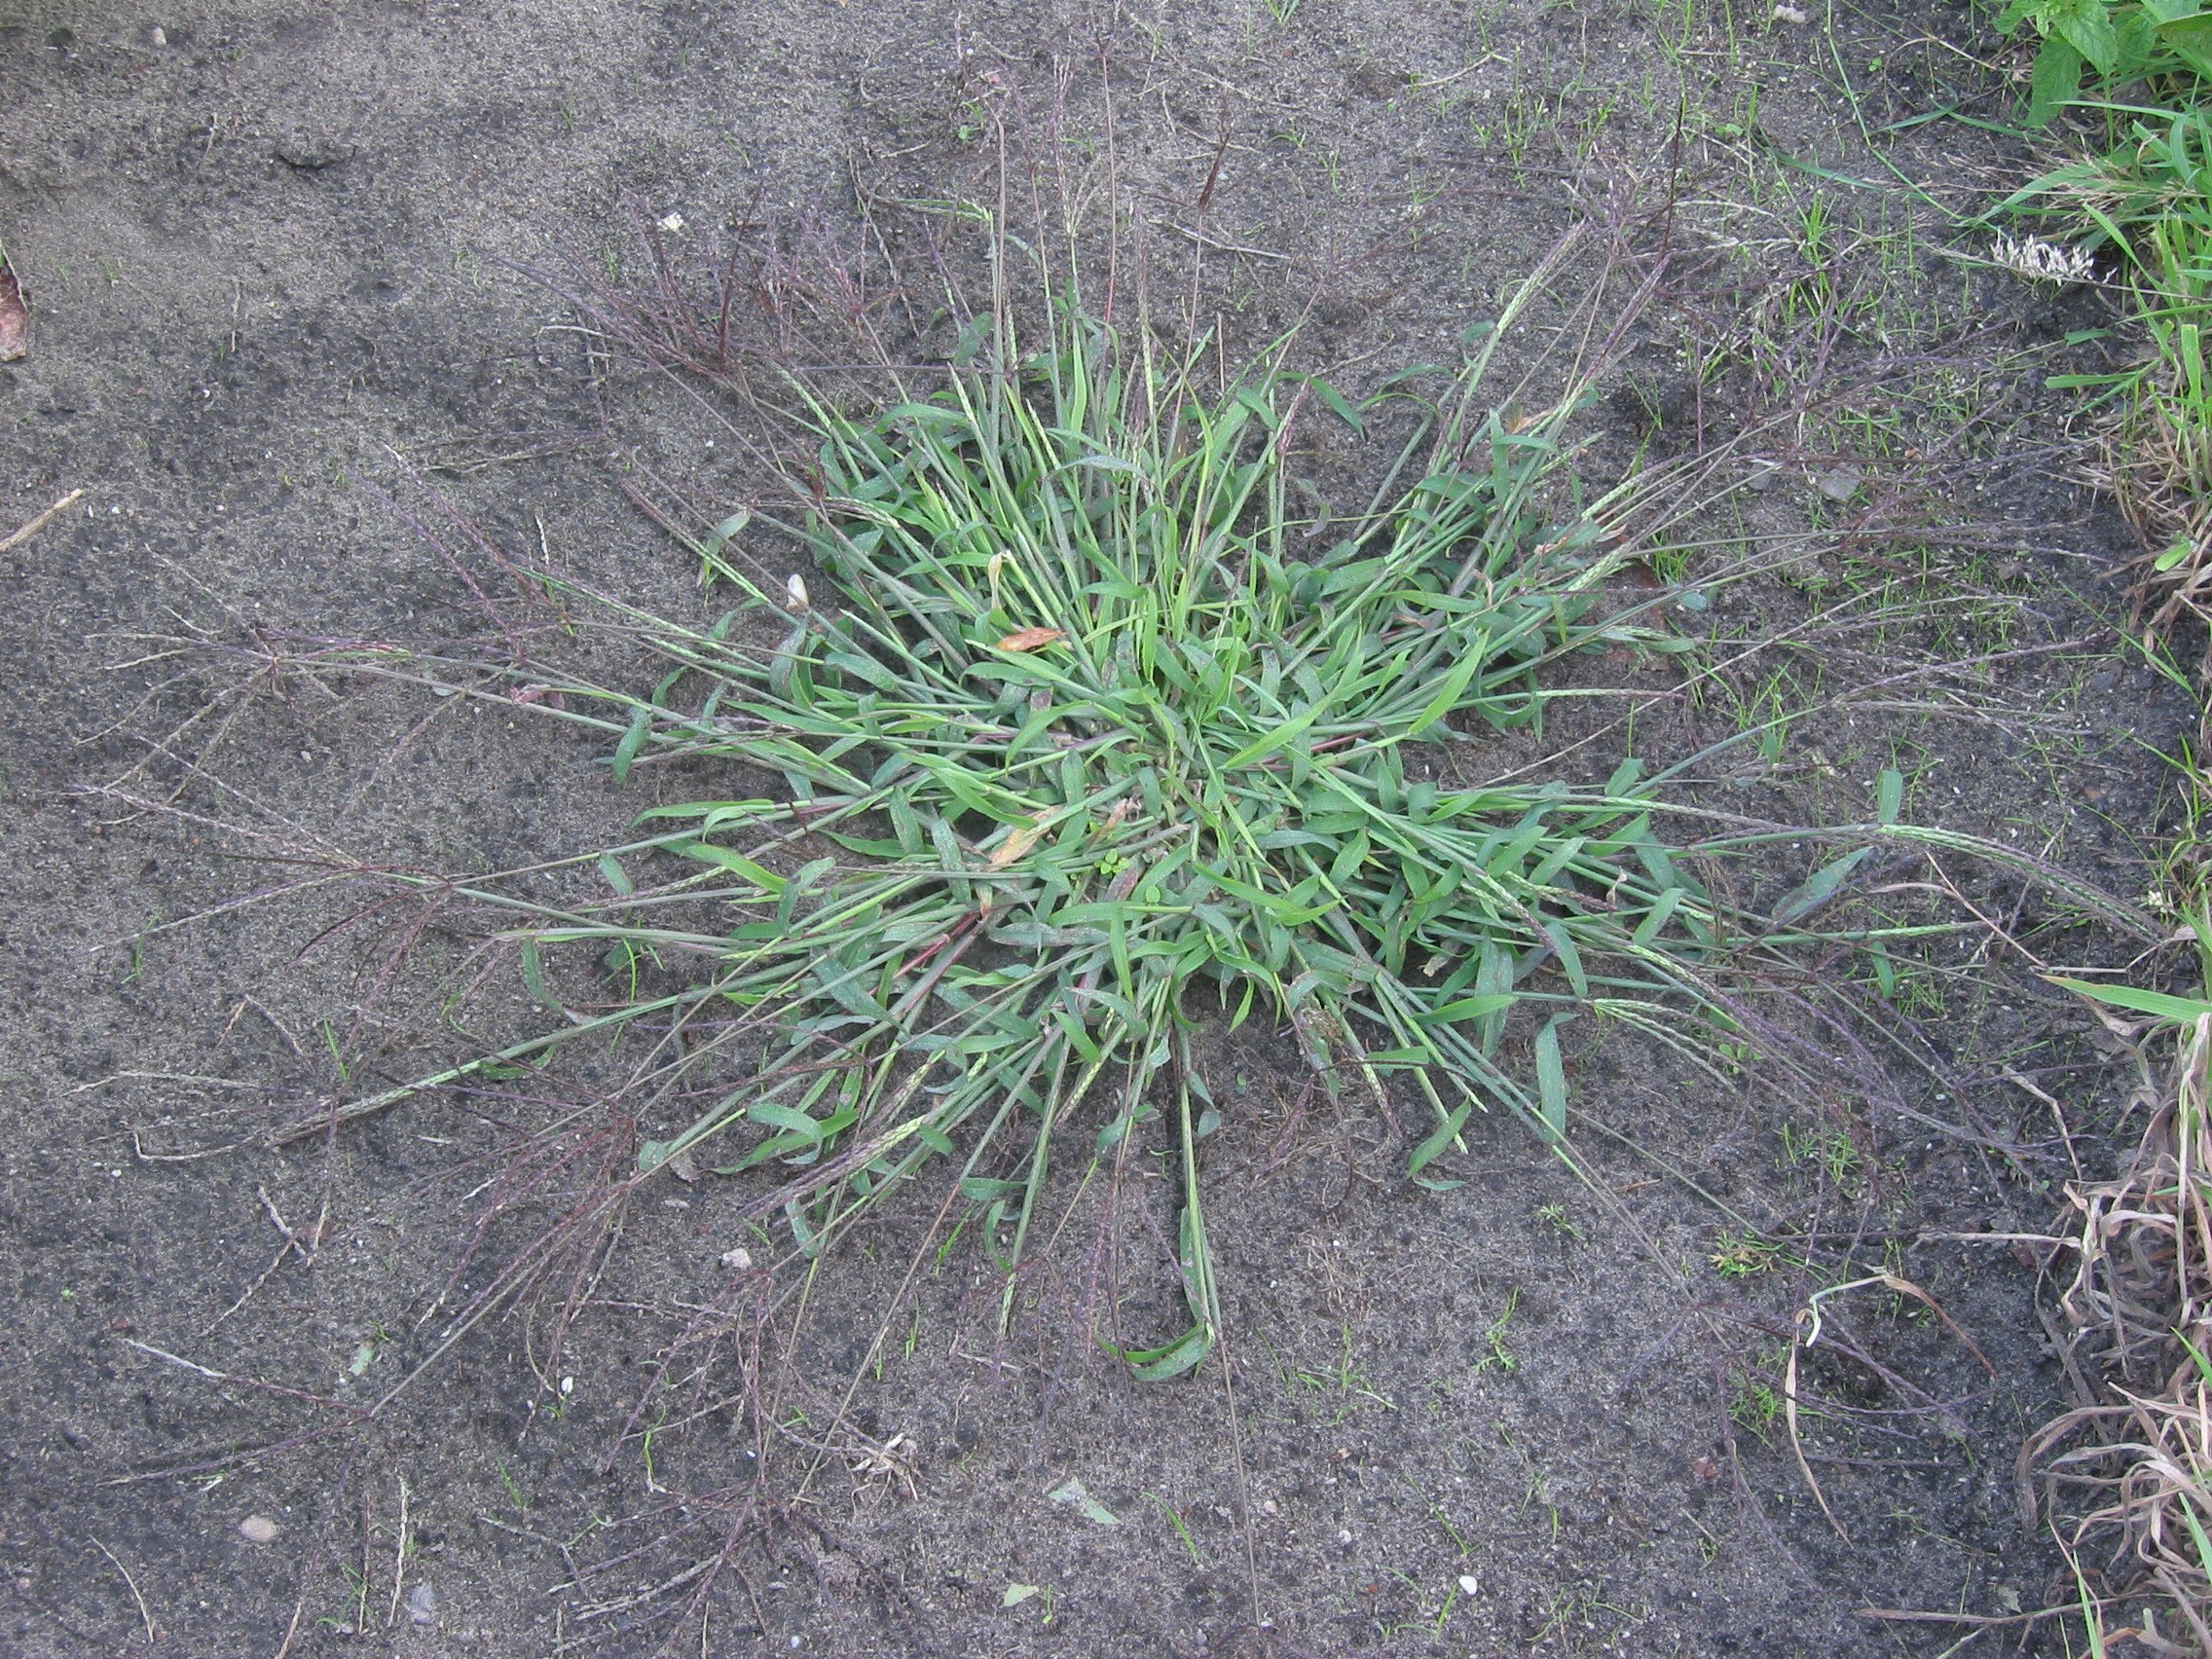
pixel 1065 736
pixel 1091 736
pixel 2138 201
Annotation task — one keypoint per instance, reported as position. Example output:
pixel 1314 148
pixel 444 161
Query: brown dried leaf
pixel 1029 638
pixel 14 319
pixel 1024 838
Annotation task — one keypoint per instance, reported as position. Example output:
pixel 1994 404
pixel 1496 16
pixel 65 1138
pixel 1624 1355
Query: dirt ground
pixel 277 328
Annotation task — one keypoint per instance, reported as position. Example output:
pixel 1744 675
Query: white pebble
pixel 259 1530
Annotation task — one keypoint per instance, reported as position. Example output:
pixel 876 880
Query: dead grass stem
pixel 2123 1480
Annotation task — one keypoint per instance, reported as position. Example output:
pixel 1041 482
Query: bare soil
pixel 276 258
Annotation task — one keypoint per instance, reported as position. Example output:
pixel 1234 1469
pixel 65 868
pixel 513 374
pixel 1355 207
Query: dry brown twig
pixel 1809 1320
pixel 16 538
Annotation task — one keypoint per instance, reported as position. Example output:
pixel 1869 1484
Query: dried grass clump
pixel 2125 1480
pixel 2157 463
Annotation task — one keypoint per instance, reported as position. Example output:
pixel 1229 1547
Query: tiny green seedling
pixel 1169 1514
pixel 1501 1358
pixel 1740 1253
pixel 336 1052
pixel 1555 1218
pixel 1348 1382
pixel 138 947
pixel 1756 1405
pixel 515 1498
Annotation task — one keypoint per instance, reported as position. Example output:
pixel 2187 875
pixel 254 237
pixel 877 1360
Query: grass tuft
pixel 2125 1477
pixel 1056 725
pixel 2139 200
pixel 1082 733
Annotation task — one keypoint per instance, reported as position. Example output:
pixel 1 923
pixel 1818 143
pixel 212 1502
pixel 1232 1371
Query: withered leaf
pixel 14 319
pixel 1024 838
pixel 1029 638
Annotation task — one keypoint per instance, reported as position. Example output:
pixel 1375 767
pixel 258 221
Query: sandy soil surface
pixel 285 340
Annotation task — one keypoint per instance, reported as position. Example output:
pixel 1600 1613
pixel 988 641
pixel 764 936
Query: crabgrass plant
pixel 1078 736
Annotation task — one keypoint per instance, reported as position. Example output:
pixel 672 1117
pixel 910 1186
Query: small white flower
pixel 2043 260
pixel 794 590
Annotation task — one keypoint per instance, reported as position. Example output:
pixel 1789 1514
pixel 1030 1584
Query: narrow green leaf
pixel 633 740
pixel 707 852
pixel 783 1117
pixel 1569 958
pixel 1551 1080
pixel 2180 1010
pixel 1469 1007
pixel 1889 795
pixel 802 1234
pixel 1819 888
pixel 534 975
pixel 1334 401
pixel 1452 688
pixel 1156 1365
pixel 1443 1136
pixel 1290 731
pixel 1655 919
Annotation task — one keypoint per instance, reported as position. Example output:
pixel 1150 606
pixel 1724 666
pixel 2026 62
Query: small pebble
pixel 422 1604
pixel 738 1261
pixel 1468 1584
pixel 1840 483
pixel 259 1530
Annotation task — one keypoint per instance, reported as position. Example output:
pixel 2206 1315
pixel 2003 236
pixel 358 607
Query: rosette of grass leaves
pixel 1082 736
